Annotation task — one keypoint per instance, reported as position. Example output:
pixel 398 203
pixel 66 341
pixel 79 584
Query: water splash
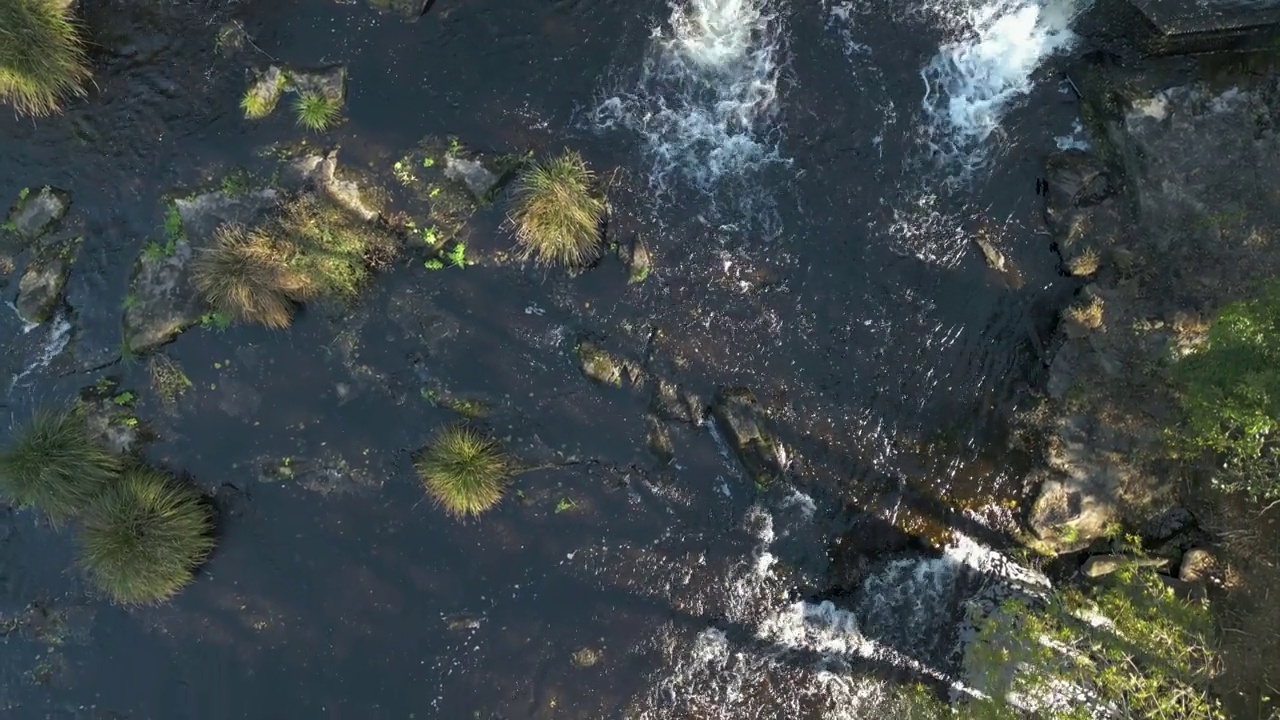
pixel 706 102
pixel 974 79
pixel 53 345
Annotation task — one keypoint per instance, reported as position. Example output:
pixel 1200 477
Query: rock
pixel 670 402
pixel 995 259
pixel 330 82
pixel 264 92
pixel 639 263
pixel 35 214
pixel 40 289
pixel 163 301
pixel 480 180
pixel 320 172
pixel 1077 180
pixel 410 10
pixel 598 364
pixel 1198 565
pixel 659 441
pixel 739 417
pixel 1099 565
pixel 1069 514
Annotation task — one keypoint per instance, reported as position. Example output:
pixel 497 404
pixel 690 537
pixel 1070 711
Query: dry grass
pixel 1088 313
pixel 313 249
pixel 42 58
pixel 1084 264
pixel 464 471
pixel 557 212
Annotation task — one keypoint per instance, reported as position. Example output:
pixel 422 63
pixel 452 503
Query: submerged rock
pixel 598 364
pixel 264 92
pixel 994 258
pixel 639 263
pixel 36 214
pixel 329 82
pixel 479 179
pixel 320 171
pixel 739 417
pixel 40 289
pixel 1077 180
pixel 163 301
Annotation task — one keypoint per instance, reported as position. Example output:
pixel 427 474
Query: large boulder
pixel 163 301
pixel 45 276
pixel 37 212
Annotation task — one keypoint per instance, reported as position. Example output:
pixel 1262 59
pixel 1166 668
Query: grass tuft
pixel 1084 264
pixel 1088 314
pixel 556 212
pixel 316 112
pixel 55 465
pixel 144 537
pixel 313 249
pixel 464 471
pixel 42 57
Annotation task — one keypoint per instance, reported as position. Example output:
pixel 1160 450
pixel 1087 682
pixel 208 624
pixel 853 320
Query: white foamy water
pixel 706 101
pixel 53 345
pixel 975 78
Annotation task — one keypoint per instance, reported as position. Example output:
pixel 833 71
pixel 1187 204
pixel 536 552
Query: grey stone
pixel 1100 565
pixel 320 172
pixel 598 365
pixel 37 213
pixel 640 262
pixel 1076 180
pixel 479 179
pixel 266 89
pixel 671 402
pixel 659 441
pixel 330 82
pixel 42 282
pixel 164 300
pixel 994 258
pixel 739 416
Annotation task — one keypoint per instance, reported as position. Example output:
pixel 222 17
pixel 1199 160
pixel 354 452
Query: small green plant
pixel 402 172
pixel 464 471
pixel 129 421
pixel 144 536
pixel 455 146
pixel 215 320
pixel 55 465
pixel 434 264
pixel 565 505
pixel 1088 314
pixel 155 251
pixel 557 213
pixel 260 99
pixel 42 57
pixel 236 183
pixel 428 162
pixel 316 112
pixel 458 256
pixel 23 193
pixel 130 299
pixel 168 379
pixel 431 236
pixel 173 225
pixel 124 398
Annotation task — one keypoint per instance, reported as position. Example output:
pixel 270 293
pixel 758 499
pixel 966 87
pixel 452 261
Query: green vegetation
pixel 55 465
pixel 144 536
pixel 42 58
pixel 556 212
pixel 173 225
pixel 316 112
pixel 1231 395
pixel 168 379
pixel 1148 659
pixel 155 251
pixel 464 471
pixel 125 398
pixel 434 264
pixel 215 320
pixel 261 97
pixel 1088 313
pixel 312 250
pixel 458 256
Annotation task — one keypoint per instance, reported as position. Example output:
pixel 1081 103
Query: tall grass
pixel 54 465
pixel 42 57
pixel 464 471
pixel 557 213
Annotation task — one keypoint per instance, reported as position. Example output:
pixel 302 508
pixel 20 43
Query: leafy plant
pixel 556 212
pixel 1231 394
pixel 565 505
pixel 316 112
pixel 23 193
pixel 458 255
pixel 434 264
pixel 42 57
pixel 124 398
pixel 144 536
pixel 55 465
pixel 464 471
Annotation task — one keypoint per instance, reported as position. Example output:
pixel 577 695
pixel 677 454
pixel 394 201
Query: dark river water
pixel 808 176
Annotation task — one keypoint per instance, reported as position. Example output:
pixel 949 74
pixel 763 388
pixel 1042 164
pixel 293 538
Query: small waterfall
pixel 707 95
pixel 973 80
pixel 54 343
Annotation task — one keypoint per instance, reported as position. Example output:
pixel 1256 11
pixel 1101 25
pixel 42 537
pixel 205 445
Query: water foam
pixel 974 79
pixel 706 101
pixel 54 343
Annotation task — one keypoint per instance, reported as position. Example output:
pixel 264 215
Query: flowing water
pixel 808 176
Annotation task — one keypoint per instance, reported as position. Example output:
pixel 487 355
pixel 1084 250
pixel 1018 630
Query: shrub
pixel 42 58
pixel 55 465
pixel 313 249
pixel 144 536
pixel 1088 314
pixel 1231 394
pixel 1128 648
pixel 464 471
pixel 1084 264
pixel 556 212
pixel 245 275
pixel 316 112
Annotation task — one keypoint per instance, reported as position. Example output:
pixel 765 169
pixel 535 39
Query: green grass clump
pixel 315 111
pixel 312 249
pixel 556 212
pixel 464 471
pixel 55 465
pixel 144 537
pixel 42 58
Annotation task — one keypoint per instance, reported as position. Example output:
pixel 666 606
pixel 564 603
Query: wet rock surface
pixel 38 212
pixel 164 302
pixel 739 416
pixel 42 282
pixel 319 171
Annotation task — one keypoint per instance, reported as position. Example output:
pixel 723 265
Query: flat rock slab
pixel 36 214
pixel 40 289
pixel 164 300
